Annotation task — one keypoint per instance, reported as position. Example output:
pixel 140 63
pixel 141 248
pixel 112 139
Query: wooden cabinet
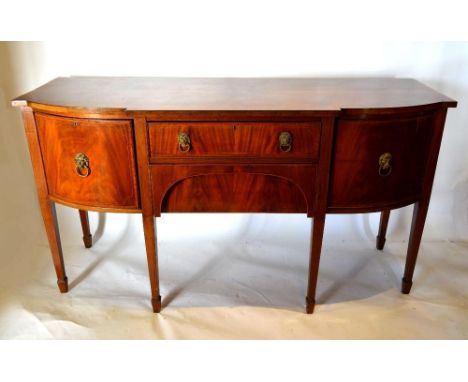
pixel 313 146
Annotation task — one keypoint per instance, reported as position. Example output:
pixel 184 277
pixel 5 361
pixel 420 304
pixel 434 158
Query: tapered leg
pixel 318 225
pixel 51 225
pixel 380 241
pixel 87 237
pixel 417 227
pixel 152 255
pixel 47 207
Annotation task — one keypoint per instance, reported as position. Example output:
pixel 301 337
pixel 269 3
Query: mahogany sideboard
pixel 298 145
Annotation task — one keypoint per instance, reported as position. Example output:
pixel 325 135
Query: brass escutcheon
pixel 82 165
pixel 285 141
pixel 184 142
pixel 385 164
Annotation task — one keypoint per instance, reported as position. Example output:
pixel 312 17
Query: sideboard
pixel 284 145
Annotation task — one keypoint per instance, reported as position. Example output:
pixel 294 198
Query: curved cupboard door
pixel 89 162
pixel 379 163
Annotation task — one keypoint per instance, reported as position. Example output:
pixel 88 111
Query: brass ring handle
pixel 285 141
pixel 385 164
pixel 184 142
pixel 82 165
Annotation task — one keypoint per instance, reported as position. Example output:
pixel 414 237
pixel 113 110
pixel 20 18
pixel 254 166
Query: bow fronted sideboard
pixel 299 145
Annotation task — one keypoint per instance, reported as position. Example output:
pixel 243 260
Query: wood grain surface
pixel 233 188
pixel 355 179
pixel 204 94
pixel 235 139
pixel 112 181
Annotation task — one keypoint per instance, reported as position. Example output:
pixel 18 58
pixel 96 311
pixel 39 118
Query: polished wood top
pixel 236 94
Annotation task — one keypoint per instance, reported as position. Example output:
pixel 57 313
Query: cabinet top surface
pixel 237 94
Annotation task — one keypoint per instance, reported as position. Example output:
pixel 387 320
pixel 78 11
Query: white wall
pixel 441 65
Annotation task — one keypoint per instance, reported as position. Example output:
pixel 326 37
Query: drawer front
pixel 205 139
pixel 234 188
pixel 89 162
pixel 379 163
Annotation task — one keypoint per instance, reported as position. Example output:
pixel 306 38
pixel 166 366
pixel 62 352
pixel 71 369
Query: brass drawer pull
pixel 285 141
pixel 82 165
pixel 385 164
pixel 184 142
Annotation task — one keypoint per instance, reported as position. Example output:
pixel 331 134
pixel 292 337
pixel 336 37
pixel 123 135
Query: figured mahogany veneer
pixel 254 139
pixel 233 188
pixel 108 144
pixel 355 180
pixel 313 146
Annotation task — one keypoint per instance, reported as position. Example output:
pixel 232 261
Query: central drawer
pixel 256 139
